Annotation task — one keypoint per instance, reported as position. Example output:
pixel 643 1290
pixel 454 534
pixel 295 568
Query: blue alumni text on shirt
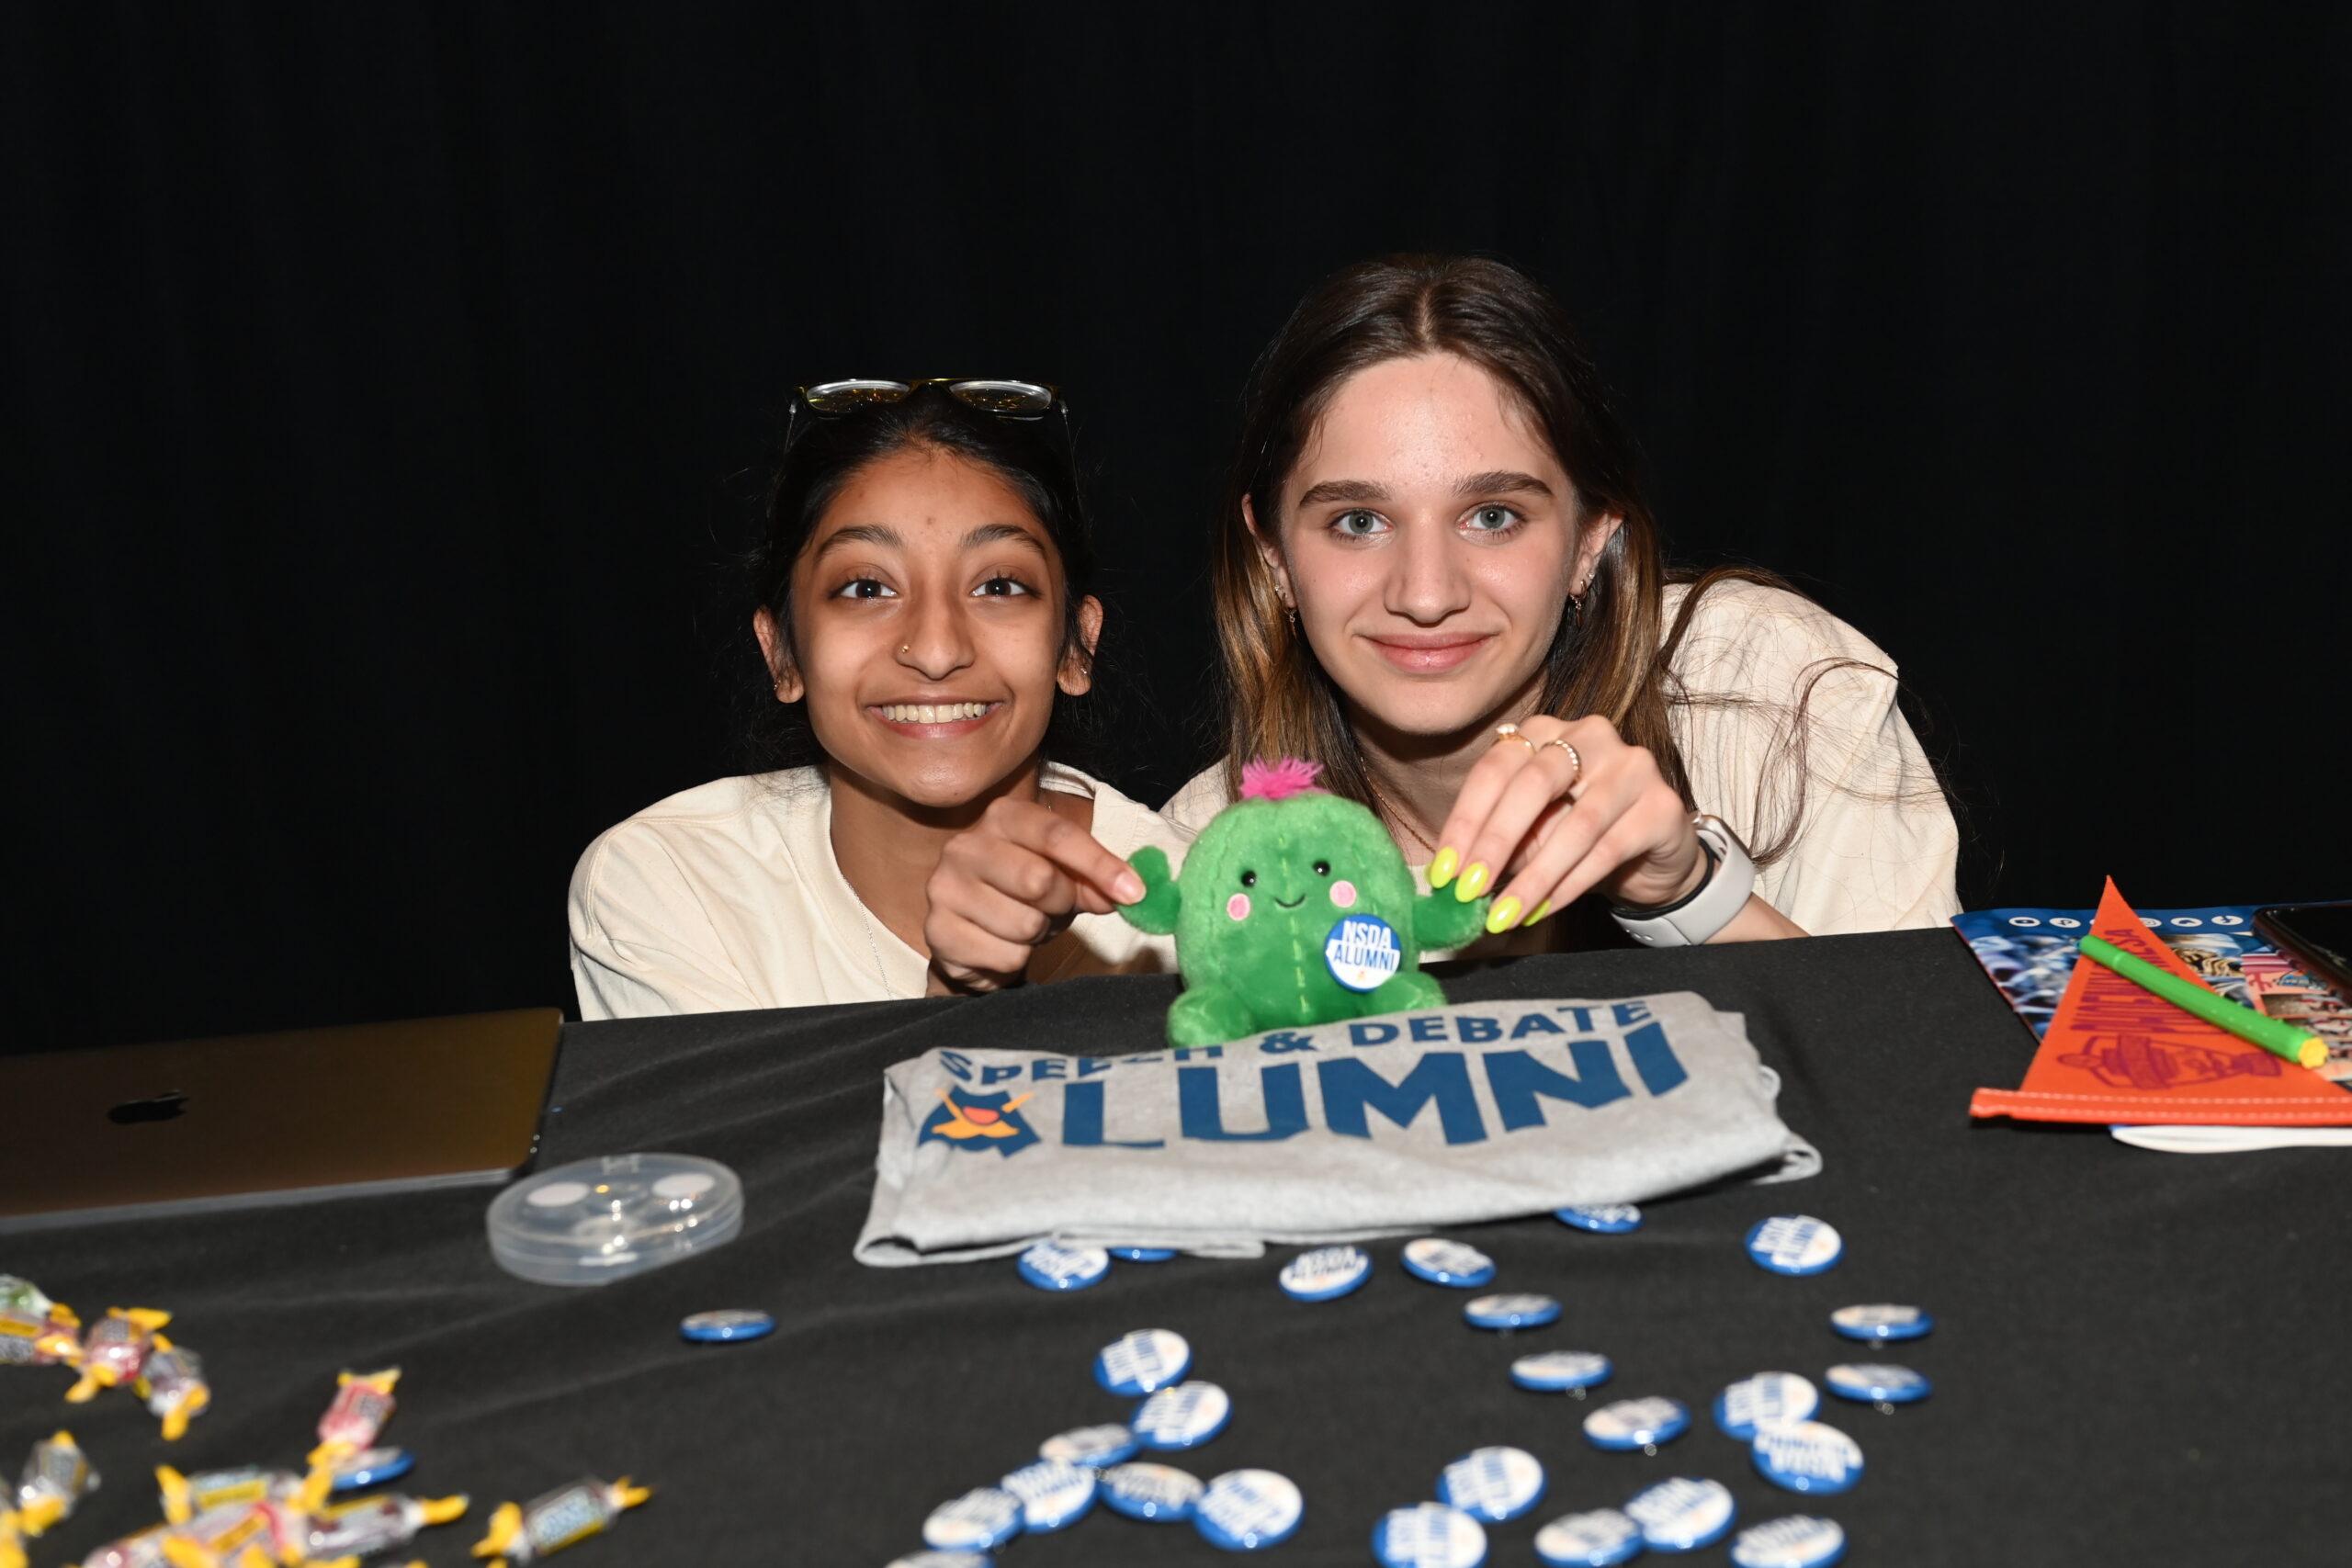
pixel 1532 1065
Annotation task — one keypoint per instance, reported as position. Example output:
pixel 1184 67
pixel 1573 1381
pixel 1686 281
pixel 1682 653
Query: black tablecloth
pixel 2134 1362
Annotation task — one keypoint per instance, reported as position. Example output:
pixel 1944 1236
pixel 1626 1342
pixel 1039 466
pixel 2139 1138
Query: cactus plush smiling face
pixel 1295 907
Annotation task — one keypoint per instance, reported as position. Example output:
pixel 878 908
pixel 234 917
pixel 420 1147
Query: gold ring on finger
pixel 1511 732
pixel 1575 761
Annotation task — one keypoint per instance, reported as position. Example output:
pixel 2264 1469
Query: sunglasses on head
pixel 1009 400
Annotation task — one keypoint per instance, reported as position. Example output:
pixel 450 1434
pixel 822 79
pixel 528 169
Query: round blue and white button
pixel 1096 1448
pixel 1683 1514
pixel 1811 1458
pixel 1428 1535
pixel 726 1326
pixel 1602 1219
pixel 1556 1372
pixel 1052 1495
pixel 1362 953
pixel 1249 1510
pixel 1795 1243
pixel 1602 1539
pixel 1443 1262
pixel 1507 1312
pixel 1326 1274
pixel 375 1467
pixel 1493 1485
pixel 1878 1383
pixel 1160 1492
pixel 1881 1320
pixel 1142 1362
pixel 1767 1399
pixel 1800 1540
pixel 1184 1416
pixel 1637 1423
pixel 981 1520
pixel 1051 1268
pixel 1143 1254
pixel 928 1559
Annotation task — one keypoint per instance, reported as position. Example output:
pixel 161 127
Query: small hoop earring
pixel 1576 610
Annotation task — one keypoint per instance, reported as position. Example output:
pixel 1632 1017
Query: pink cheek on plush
pixel 1343 894
pixel 1237 906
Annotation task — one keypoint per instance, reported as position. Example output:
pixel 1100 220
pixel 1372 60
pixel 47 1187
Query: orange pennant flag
pixel 2115 1053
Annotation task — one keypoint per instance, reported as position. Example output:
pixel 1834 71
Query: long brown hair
pixel 1613 658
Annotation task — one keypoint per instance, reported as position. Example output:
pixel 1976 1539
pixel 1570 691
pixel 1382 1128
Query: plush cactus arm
pixel 1442 920
pixel 1156 912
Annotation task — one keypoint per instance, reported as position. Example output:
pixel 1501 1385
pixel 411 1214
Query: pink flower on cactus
pixel 1279 781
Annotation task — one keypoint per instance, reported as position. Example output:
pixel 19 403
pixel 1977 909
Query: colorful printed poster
pixel 2030 956
pixel 2115 1053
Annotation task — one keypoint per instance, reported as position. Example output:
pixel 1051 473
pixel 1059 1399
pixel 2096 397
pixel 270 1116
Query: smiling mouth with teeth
pixel 932 712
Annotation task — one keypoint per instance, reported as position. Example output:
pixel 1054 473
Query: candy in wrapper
pixel 145 1549
pixel 184 1496
pixel 12 1540
pixel 376 1524
pixel 115 1348
pixel 38 1335
pixel 172 1382
pixel 557 1520
pixel 362 1403
pixel 57 1475
pixel 23 1295
pixel 241 1535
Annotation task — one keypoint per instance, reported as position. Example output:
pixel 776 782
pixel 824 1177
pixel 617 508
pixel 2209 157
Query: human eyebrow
pixel 1500 481
pixel 1342 490
pixel 860 534
pixel 1001 533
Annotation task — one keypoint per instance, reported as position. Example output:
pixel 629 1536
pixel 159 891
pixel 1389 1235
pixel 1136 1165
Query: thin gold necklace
pixel 1388 809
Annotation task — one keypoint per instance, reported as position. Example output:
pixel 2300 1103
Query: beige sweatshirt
pixel 728 897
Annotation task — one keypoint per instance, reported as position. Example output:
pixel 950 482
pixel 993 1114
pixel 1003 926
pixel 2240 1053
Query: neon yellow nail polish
pixel 1502 917
pixel 1442 867
pixel 1541 910
pixel 1473 881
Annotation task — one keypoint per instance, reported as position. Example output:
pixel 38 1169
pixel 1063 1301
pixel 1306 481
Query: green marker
pixel 2281 1039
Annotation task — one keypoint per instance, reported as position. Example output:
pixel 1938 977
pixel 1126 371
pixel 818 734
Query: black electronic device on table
pixel 188 1126
pixel 2317 936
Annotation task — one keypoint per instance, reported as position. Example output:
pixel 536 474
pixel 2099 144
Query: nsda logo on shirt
pixel 969 1120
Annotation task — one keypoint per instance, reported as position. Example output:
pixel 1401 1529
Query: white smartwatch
pixel 1698 915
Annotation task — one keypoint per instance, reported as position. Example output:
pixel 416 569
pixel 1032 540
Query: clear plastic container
pixel 596 1221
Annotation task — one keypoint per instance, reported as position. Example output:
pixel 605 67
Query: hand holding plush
pixel 1258 909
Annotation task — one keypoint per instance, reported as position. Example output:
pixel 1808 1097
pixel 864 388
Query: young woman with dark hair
pixel 1435 574
pixel 921 603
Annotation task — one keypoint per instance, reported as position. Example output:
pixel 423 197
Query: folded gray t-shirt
pixel 1370 1127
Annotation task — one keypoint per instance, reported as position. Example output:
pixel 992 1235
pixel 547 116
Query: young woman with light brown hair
pixel 1435 573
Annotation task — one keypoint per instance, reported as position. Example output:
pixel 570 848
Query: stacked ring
pixel 1575 761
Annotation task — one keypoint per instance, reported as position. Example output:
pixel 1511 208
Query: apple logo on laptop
pixel 161 1108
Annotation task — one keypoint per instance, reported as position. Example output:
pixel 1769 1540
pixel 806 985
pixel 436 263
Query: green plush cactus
pixel 1258 911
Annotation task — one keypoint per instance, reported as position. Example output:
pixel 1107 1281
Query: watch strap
pixel 1697 916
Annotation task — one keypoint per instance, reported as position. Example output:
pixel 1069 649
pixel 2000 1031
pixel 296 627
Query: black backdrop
pixel 387 386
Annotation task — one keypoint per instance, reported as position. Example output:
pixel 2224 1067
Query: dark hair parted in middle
pixel 1614 660
pixel 822 454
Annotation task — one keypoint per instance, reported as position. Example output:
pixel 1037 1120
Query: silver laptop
pixel 126 1132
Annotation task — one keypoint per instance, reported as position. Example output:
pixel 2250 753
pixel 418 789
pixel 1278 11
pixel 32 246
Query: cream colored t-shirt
pixel 728 897
pixel 1877 850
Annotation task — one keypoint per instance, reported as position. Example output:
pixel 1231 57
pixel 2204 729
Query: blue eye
pixel 1492 519
pixel 1359 525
